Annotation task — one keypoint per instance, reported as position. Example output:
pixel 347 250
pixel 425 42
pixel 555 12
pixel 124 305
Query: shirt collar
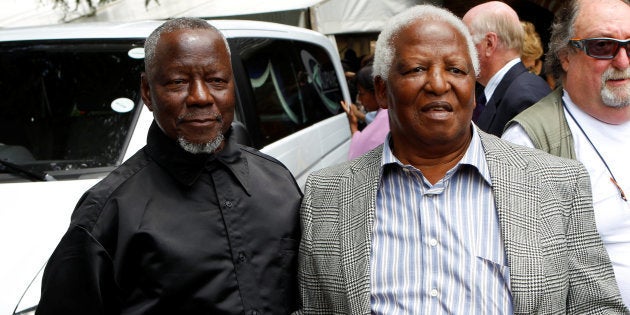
pixel 186 167
pixel 474 156
pixel 497 77
pixel 577 112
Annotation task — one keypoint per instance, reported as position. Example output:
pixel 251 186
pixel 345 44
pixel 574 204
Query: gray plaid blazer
pixel 558 264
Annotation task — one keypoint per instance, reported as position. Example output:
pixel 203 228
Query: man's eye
pixel 458 71
pixel 414 70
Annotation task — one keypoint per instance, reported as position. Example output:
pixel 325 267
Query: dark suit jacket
pixel 518 90
pixel 558 264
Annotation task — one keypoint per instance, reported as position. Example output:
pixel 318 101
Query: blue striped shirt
pixel 437 249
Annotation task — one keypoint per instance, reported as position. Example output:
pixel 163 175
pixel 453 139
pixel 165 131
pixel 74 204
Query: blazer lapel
pixel 489 113
pixel 516 195
pixel 356 221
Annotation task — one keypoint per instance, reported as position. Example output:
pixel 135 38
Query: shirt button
pixel 433 292
pixel 241 257
pixel 228 204
pixel 254 312
pixel 433 242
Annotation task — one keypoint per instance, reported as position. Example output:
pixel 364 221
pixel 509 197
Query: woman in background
pixel 375 132
pixel 532 48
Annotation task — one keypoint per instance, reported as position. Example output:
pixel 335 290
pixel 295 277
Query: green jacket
pixel 546 125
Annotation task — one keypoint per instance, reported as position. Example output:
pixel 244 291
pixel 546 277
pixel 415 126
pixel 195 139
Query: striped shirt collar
pixel 474 156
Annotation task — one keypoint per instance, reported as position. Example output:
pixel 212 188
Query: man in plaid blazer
pixel 444 218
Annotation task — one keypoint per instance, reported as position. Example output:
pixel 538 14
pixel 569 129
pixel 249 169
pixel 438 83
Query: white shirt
pixel 497 77
pixel 612 214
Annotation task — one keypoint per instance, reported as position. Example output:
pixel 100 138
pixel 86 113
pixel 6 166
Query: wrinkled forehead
pixel 186 46
pixel 429 33
pixel 200 43
pixel 603 18
pixel 190 38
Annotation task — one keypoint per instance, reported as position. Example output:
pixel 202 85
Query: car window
pixel 294 84
pixel 66 105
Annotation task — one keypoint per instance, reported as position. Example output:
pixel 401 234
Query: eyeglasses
pixel 600 48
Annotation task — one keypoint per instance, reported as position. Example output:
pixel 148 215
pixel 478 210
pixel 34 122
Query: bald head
pixel 497 17
pixel 496 8
pixel 498 36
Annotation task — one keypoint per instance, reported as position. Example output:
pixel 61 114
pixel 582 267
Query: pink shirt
pixel 371 136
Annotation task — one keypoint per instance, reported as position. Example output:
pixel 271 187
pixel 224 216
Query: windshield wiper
pixel 24 172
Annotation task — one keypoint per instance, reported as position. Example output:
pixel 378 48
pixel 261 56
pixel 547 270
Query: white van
pixel 70 112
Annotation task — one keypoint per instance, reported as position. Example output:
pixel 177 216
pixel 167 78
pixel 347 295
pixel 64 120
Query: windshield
pixel 67 107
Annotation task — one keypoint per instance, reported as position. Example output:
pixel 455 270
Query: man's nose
pixel 621 60
pixel 437 81
pixel 199 94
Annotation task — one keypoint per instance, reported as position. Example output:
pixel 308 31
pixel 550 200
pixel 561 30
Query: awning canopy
pixel 293 12
pixel 325 16
pixel 355 16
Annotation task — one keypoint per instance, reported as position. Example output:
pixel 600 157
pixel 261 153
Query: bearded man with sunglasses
pixel 588 117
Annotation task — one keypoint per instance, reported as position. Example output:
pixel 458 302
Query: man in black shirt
pixel 193 223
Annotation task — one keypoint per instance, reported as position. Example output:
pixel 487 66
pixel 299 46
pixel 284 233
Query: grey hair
pixel 384 52
pixel 509 31
pixel 562 30
pixel 183 23
pixel 197 148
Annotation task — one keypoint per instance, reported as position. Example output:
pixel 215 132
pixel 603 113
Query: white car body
pixel 35 214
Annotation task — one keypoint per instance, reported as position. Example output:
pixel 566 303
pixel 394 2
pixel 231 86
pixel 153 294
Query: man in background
pixel 508 87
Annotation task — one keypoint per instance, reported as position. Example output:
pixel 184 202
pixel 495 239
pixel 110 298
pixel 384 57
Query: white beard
pixel 617 97
pixel 196 148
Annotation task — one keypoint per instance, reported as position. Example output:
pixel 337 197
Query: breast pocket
pixel 492 268
pixel 287 259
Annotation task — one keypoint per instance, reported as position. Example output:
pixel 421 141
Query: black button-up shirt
pixel 170 232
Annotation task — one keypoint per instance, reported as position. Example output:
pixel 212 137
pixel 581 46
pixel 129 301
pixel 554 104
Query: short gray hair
pixel 384 51
pixel 183 23
pixel 509 31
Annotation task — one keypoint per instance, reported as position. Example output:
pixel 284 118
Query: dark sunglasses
pixel 600 48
